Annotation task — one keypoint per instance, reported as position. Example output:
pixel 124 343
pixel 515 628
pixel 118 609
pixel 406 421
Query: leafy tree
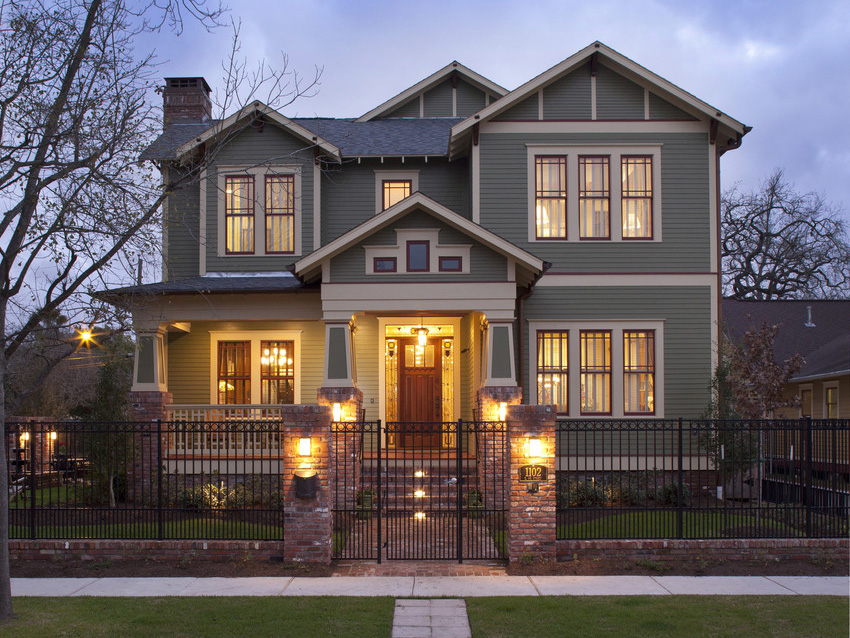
pixel 780 244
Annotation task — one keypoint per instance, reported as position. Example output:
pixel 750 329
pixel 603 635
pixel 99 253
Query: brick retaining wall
pixel 725 549
pixel 116 550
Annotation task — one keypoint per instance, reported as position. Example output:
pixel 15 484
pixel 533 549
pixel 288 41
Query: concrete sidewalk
pixel 439 586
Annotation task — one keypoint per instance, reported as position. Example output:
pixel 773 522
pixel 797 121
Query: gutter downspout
pixel 520 313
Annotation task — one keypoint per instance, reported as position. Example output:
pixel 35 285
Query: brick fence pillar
pixel 531 516
pixel 145 407
pixel 307 521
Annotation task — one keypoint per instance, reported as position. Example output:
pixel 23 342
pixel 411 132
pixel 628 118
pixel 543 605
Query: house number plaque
pixel 532 473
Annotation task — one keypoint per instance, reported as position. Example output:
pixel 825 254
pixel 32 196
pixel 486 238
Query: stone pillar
pixel 490 399
pixel 308 522
pixel 350 401
pixel 532 517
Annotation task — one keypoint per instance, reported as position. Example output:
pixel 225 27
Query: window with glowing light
pixel 553 369
pixel 551 196
pixel 639 371
pixel 239 214
pixel 595 373
pixel 594 197
pixel 830 399
pixel 394 191
pixel 637 197
pixel 280 214
pixel 234 372
pixel 277 372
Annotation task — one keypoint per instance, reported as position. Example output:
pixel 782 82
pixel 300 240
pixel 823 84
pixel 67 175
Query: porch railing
pixel 233 412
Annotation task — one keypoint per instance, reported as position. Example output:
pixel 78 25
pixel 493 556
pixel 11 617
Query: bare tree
pixel 74 201
pixel 780 244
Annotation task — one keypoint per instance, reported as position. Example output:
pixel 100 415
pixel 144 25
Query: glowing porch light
pixel 419 494
pixel 418 474
pixel 534 448
pixel 337 412
pixel 503 411
pixel 419 516
pixel 305 446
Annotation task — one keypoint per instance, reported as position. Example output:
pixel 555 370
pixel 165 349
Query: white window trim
pixel 826 385
pixel 435 251
pixel 259 173
pixel 255 337
pixel 382 176
pixel 616 327
pixel 615 152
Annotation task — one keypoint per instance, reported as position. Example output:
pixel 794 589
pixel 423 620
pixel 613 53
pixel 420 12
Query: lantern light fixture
pixel 305 446
pixel 534 448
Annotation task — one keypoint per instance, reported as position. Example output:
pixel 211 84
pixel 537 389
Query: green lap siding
pixel 525 110
pixel 685 204
pixel 616 97
pixel 190 356
pixel 438 101
pixel 660 109
pixel 569 97
pixel 408 109
pixel 685 311
pixel 469 99
pixel 180 236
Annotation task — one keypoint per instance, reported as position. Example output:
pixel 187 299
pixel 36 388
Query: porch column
pixel 149 364
pixel 339 389
pixel 532 517
pixel 501 370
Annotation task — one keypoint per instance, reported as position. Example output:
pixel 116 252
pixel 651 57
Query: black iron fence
pixel 146 480
pixel 703 479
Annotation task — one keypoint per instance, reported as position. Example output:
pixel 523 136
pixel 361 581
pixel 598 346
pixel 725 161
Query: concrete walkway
pixel 439 586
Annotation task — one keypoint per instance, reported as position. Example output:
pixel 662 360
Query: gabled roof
pixel 819 330
pixel 268 112
pixel 309 267
pixel 431 81
pixel 618 62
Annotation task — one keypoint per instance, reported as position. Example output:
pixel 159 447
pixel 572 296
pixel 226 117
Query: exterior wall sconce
pixel 503 411
pixel 534 448
pixel 532 474
pixel 305 446
pixel 337 412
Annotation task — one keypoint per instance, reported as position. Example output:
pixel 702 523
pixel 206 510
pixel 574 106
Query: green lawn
pixel 663 524
pixel 178 617
pixel 661 617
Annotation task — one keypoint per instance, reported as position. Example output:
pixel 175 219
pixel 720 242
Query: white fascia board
pixel 370 226
pixel 435 78
pixel 646 78
pixel 267 111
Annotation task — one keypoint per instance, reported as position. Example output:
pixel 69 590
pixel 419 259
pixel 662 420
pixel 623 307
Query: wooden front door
pixel 419 393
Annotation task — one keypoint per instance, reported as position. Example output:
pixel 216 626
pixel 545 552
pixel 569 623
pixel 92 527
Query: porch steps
pixel 411 485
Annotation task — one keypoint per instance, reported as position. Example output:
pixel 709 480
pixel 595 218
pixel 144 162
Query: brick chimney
pixel 185 99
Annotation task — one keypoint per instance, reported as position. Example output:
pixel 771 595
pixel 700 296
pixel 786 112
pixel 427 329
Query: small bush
pixel 668 494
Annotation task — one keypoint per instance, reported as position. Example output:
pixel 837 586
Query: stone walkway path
pixel 438 618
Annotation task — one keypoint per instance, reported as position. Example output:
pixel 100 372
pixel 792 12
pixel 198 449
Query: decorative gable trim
pixel 310 266
pixel 268 112
pixel 432 80
pixel 621 64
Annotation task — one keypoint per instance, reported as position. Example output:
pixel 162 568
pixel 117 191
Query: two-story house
pixel 456 247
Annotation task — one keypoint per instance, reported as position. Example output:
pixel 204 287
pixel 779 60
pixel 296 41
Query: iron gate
pixel 419 491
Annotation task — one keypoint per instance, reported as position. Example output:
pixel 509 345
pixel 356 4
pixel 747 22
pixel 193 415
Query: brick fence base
pixel 725 549
pixel 117 550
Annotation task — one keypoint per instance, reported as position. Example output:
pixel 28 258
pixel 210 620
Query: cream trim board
pixel 828 385
pixel 259 173
pixel 455 322
pixel 593 97
pixel 435 251
pixel 475 169
pixel 382 176
pixel 255 337
pixel 615 153
pixel 317 206
pixel 598 126
pixel 627 279
pixel 574 364
pixel 202 227
pixel 713 206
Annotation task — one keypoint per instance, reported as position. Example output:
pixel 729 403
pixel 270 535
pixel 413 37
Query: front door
pixel 419 395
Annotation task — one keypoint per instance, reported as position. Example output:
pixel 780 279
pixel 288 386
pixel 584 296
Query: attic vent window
pixel 809 323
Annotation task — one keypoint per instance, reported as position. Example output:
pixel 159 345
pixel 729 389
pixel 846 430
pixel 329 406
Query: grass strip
pixel 213 616
pixel 660 616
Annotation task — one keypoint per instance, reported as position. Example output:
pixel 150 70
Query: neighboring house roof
pixel 209 285
pixel 309 267
pixel 822 337
pixel 377 138
pixel 431 81
pixel 618 62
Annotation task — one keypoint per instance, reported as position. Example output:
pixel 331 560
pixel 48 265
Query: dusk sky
pixel 780 66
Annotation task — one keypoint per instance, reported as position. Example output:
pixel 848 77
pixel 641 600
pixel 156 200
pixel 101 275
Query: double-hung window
pixel 550 207
pixel 637 197
pixel 234 372
pixel 239 214
pixel 553 380
pixel 277 372
pixel 595 372
pixel 594 197
pixel 638 371
pixel 280 213
pixel 830 400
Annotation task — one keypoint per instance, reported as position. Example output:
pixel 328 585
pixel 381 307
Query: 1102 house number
pixel 532 473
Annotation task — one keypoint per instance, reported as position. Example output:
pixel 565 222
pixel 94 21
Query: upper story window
pixel 418 256
pixel 259 210
pixel 239 214
pixel 280 213
pixel 573 197
pixel 637 197
pixel 392 186
pixel 550 205
pixel 594 197
pixel 394 191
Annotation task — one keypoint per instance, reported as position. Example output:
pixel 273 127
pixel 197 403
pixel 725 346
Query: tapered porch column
pixel 339 387
pixel 501 370
pixel 149 365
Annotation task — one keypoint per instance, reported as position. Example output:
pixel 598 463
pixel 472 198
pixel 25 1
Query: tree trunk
pixel 6 613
